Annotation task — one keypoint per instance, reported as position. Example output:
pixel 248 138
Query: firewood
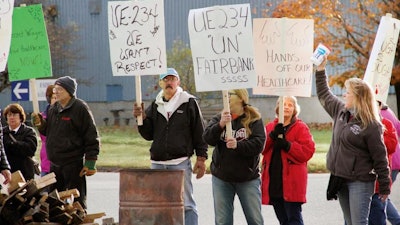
pixel 54 199
pixel 89 218
pixel 63 218
pixel 67 194
pixel 17 180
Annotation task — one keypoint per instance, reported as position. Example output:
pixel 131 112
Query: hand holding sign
pixel 226 116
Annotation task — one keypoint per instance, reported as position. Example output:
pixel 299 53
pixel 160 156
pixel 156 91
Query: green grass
pixel 322 139
pixel 125 148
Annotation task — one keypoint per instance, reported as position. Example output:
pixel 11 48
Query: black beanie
pixel 68 84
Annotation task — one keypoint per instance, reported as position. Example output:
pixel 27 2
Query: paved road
pixel 103 196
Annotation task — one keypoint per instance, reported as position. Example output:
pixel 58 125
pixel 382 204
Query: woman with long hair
pixel 235 160
pixel 357 154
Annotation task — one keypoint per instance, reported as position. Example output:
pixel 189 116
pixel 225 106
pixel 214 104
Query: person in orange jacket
pixel 287 150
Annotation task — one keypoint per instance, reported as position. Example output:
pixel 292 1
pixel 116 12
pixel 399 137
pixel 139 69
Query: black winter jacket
pixel 71 133
pixel 177 137
pixel 19 152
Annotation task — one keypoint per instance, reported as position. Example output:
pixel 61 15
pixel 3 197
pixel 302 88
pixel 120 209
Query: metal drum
pixel 151 197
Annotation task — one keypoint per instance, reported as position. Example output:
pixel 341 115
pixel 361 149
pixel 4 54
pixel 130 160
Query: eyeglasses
pixel 231 93
pixel 12 114
pixel 170 78
pixel 58 89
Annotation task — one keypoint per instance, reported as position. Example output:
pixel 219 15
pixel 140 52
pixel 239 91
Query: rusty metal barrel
pixel 151 197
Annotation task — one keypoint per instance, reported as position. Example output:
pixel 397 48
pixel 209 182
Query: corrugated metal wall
pixel 91 16
pixel 95 67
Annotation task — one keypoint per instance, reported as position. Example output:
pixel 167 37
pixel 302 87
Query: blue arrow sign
pixel 20 90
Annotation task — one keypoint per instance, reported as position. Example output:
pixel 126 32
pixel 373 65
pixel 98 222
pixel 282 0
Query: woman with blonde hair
pixel 235 160
pixel 357 154
pixel 284 166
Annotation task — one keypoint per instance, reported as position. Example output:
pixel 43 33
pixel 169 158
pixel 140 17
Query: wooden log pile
pixel 32 202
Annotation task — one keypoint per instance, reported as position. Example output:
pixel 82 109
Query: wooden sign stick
pixel 139 98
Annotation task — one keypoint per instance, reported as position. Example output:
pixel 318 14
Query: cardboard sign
pixel 6 10
pixel 30 52
pixel 136 34
pixel 380 63
pixel 222 50
pixel 283 48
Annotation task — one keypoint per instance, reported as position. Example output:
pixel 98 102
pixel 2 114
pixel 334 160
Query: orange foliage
pixel 348 29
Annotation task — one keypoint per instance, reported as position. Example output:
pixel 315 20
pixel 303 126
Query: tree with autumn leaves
pixel 349 29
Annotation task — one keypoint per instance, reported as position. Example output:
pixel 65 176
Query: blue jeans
pixel 377 214
pixel 391 211
pixel 355 199
pixel 288 213
pixel 191 216
pixel 249 194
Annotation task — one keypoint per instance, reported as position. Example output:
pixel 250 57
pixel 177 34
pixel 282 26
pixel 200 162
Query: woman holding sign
pixel 284 166
pixel 235 160
pixel 357 154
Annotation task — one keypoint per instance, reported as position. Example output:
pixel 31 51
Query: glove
pixel 37 119
pixel 139 110
pixel 281 144
pixel 278 130
pixel 89 168
pixel 200 167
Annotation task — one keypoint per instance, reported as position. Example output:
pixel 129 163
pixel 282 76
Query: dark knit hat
pixel 68 84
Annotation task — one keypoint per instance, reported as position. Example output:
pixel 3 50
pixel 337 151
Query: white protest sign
pixel 380 63
pixel 136 34
pixel 41 88
pixel 6 11
pixel 222 50
pixel 282 54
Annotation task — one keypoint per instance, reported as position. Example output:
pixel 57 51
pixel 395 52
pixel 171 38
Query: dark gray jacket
pixel 240 164
pixel 355 153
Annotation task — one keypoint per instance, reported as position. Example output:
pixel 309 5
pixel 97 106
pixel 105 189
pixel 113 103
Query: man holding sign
pixel 175 125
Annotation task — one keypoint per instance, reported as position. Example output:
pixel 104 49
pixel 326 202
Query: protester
pixel 20 141
pixel 235 161
pixel 284 166
pixel 72 139
pixel 5 170
pixel 357 155
pixel 44 162
pixel 175 125
pixel 377 214
pixel 391 211
pixel 4 164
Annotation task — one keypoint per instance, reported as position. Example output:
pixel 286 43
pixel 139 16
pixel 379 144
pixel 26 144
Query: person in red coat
pixel 377 213
pixel 287 150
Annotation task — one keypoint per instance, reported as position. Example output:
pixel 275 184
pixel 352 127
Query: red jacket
pixel 390 140
pixel 294 162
